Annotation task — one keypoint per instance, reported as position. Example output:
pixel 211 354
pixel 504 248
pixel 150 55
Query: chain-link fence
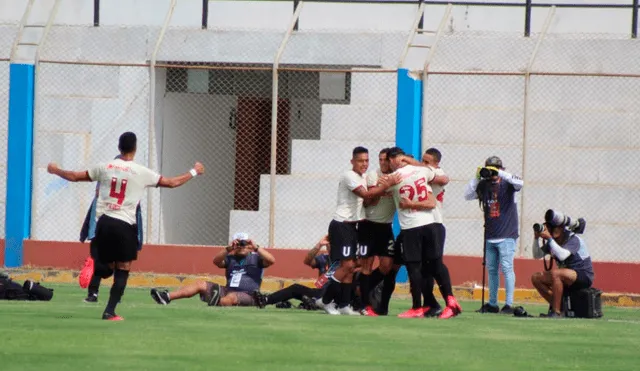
pixel 207 95
pixel 561 111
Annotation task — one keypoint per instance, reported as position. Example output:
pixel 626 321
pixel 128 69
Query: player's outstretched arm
pixel 384 183
pixel 177 181
pixel 71 176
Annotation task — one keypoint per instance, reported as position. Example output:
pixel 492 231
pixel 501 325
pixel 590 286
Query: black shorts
pixel 422 243
pixel 582 282
pixel 343 239
pixel 115 240
pixel 396 250
pixel 375 239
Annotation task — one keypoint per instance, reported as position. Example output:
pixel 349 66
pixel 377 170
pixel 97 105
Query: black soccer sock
pixel 388 286
pixel 295 291
pixel 344 299
pixel 102 270
pixel 375 278
pixel 364 289
pixel 427 287
pixel 441 274
pixel 415 283
pixel 94 285
pixel 120 278
pixel 332 292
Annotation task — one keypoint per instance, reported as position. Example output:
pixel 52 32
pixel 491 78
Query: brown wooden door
pixel 253 148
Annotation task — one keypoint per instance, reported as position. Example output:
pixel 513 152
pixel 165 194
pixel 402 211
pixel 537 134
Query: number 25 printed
pixel 123 188
pixel 407 191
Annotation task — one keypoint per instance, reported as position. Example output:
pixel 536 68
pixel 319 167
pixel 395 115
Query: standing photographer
pixel 495 189
pixel 574 272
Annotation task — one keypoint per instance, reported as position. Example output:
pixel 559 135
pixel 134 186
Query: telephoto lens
pixel 485 173
pixel 538 227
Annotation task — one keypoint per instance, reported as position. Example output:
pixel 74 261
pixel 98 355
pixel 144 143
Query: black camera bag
pixel 10 290
pixel 583 303
pixel 37 292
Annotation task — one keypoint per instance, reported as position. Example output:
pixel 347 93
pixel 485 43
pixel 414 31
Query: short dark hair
pixel 128 142
pixel 384 151
pixel 358 150
pixel 435 153
pixel 394 152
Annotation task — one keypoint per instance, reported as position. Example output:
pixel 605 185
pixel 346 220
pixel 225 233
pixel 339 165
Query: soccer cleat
pixel 507 309
pixel 331 309
pixel 412 313
pixel 555 315
pixel 319 303
pixel 91 298
pixel 348 311
pixel 433 312
pixel 369 312
pixel 452 309
pixel 111 317
pixel 84 278
pixel 488 308
pixel 161 297
pixel 260 299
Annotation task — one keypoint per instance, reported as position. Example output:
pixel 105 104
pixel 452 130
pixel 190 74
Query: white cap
pixel 240 236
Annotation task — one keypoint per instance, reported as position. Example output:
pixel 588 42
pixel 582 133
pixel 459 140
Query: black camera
pixel 558 219
pixel 243 243
pixel 538 227
pixel 487 173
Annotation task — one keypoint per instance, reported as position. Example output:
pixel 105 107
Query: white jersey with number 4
pixel 383 211
pixel 414 186
pixel 122 186
pixel 350 206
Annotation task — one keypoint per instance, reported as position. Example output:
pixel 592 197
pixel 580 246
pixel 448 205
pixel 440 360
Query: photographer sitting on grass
pixel 244 263
pixel 574 271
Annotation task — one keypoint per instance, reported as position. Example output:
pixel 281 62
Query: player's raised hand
pixel 52 168
pixel 199 168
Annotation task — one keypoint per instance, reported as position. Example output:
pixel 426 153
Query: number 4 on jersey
pixel 123 188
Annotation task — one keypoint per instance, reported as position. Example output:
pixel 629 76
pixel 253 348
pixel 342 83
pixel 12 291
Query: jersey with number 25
pixel 414 186
pixel 122 186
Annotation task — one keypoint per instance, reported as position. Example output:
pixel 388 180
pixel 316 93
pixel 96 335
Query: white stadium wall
pixel 81 109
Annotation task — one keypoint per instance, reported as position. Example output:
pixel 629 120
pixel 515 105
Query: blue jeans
pixel 502 254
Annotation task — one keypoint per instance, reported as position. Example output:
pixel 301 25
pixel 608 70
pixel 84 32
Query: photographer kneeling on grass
pixel 574 269
pixel 243 262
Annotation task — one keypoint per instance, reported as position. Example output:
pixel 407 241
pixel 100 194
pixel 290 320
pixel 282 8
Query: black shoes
pixel 161 297
pixel 488 308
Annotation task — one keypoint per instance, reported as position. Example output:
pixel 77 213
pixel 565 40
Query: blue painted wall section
pixel 408 127
pixel 19 161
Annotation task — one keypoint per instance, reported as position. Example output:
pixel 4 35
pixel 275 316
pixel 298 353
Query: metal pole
pixel 274 125
pixel 96 13
pixel 527 18
pixel 295 6
pixel 205 14
pixel 634 20
pixel 421 22
pixel 152 114
pixel 527 87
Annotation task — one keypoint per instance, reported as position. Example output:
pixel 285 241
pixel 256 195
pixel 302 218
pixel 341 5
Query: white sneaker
pixel 331 309
pixel 319 303
pixel 348 311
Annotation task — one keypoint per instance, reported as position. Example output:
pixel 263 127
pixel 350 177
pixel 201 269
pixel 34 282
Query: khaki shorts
pixel 244 299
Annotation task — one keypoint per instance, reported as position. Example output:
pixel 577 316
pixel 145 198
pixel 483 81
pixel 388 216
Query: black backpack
pixel 30 290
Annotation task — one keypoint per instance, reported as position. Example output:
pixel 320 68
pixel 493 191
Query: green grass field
pixel 67 334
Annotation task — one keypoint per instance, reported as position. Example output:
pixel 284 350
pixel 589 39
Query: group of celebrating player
pixel 361 230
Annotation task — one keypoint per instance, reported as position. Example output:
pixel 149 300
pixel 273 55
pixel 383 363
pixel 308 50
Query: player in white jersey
pixel 432 158
pixel 376 235
pixel 122 186
pixel 421 251
pixel 343 232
